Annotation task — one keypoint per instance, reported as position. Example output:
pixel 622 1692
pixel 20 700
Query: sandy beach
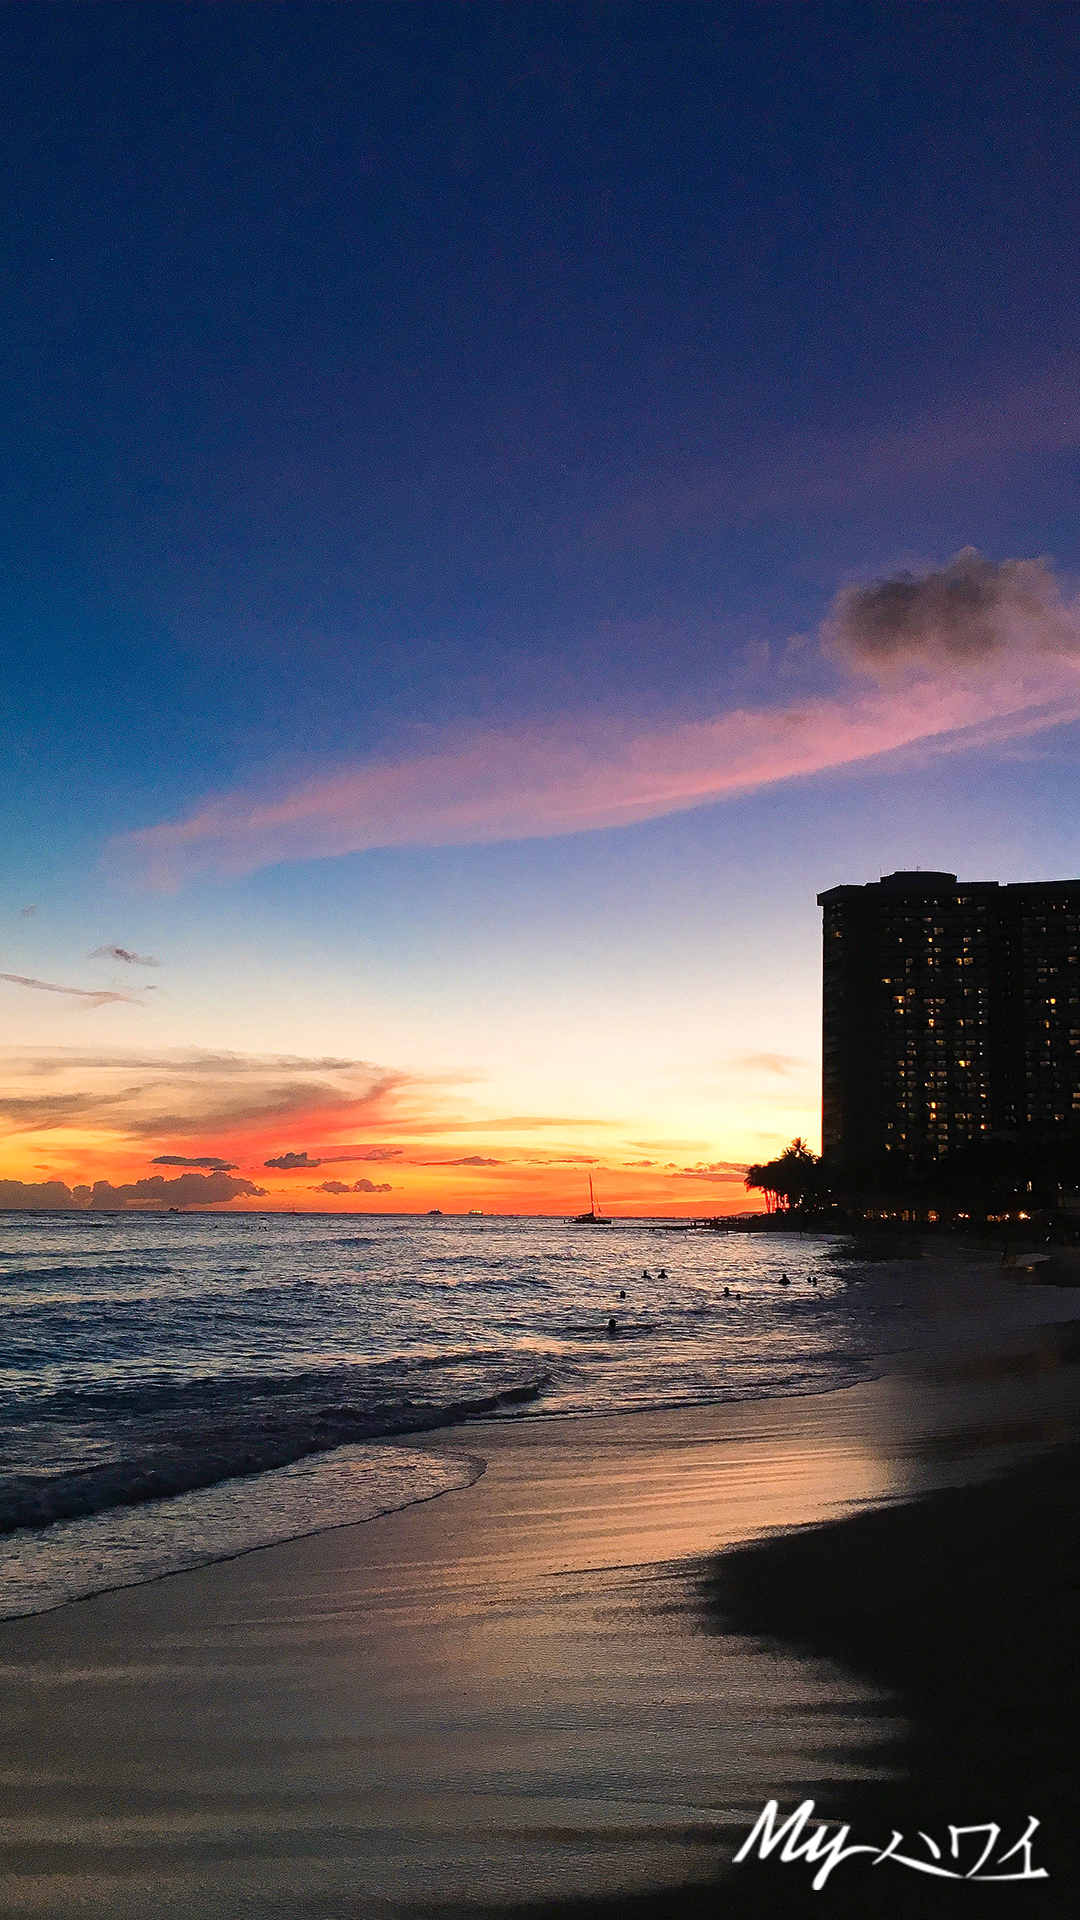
pixel 574 1684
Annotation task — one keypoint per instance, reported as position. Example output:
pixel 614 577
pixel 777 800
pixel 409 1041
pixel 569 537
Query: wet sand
pixel 564 1686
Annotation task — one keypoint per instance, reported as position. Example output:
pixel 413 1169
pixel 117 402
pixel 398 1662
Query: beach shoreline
pixel 546 1688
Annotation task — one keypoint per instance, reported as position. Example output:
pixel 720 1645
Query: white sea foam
pixel 43 1567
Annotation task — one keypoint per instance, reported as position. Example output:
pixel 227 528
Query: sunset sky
pixel 452 455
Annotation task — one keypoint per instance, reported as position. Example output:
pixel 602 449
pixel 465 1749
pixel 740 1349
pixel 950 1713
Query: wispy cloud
pixel 776 473
pixel 516 1123
pixel 289 1162
pixel 363 1153
pixel 922 667
pixel 121 953
pixel 90 996
pixel 188 1095
pixel 722 1171
pixel 470 1160
pixel 784 1064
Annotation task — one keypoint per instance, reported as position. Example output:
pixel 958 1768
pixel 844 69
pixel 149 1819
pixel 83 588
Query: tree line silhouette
pixel 1034 1171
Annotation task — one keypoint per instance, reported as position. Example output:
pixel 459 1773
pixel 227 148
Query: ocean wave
pixel 123 1547
pixel 179 1438
pixel 100 1270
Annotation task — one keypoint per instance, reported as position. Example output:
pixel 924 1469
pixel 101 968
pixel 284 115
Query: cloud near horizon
pixel 358 1186
pixel 973 654
pixel 189 1190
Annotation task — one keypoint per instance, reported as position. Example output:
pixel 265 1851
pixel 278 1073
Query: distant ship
pixel 432 1211
pixel 592 1218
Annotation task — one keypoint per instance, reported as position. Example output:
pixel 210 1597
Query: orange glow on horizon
pixel 421 1174
pixel 257 1132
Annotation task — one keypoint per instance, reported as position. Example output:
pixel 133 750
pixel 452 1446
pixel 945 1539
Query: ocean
pixel 176 1389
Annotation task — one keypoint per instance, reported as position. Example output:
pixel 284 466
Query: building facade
pixel 951 1014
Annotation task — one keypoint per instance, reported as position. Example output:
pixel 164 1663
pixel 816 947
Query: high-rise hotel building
pixel 951 1014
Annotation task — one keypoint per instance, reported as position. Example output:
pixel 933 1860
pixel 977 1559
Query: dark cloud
pixel 358 1186
pixel 32 1196
pixel 190 1190
pixel 121 953
pixel 960 613
pixel 289 1162
pixel 184 1160
pixel 89 994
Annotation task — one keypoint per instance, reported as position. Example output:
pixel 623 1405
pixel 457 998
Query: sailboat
pixel 592 1218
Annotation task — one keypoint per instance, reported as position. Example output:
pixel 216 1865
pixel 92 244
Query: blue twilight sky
pixel 434 438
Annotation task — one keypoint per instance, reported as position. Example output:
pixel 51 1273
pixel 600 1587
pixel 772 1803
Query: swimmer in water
pixel 784 1281
pixel 612 1326
pixel 645 1274
pixel 622 1293
pixel 727 1293
pixel 662 1275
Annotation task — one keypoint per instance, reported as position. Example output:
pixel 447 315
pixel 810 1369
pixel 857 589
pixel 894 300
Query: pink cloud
pixel 1018 674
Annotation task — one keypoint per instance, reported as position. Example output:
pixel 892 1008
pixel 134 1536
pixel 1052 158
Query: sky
pixel 502 505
